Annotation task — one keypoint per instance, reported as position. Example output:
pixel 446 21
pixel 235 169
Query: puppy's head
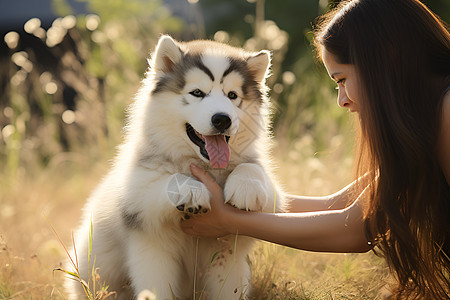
pixel 207 90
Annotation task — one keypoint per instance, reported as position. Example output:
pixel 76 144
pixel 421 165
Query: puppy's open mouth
pixel 212 147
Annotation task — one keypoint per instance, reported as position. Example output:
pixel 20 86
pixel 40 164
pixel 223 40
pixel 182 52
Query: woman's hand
pixel 213 223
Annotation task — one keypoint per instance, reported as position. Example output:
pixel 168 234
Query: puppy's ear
pixel 259 65
pixel 166 55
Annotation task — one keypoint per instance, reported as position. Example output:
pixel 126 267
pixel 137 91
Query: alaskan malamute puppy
pixel 201 102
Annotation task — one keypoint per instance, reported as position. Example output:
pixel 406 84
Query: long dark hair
pixel 401 52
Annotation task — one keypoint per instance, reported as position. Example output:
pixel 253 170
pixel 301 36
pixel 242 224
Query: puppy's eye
pixel 197 93
pixel 232 95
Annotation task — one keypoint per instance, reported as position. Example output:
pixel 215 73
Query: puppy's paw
pixel 188 195
pixel 246 188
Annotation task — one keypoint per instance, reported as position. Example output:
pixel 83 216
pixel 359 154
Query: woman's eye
pixel 232 95
pixel 341 81
pixel 197 93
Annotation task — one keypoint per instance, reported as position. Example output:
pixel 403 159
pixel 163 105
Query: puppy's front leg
pixel 155 242
pixel 152 200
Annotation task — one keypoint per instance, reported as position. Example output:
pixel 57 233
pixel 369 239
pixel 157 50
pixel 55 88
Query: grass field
pixel 30 251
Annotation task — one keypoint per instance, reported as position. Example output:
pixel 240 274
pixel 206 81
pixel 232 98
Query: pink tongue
pixel 218 151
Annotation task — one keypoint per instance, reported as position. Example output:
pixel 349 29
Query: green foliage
pixel 5 291
pixel 61 8
pixel 76 102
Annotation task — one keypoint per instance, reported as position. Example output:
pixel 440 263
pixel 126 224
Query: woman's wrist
pixel 228 219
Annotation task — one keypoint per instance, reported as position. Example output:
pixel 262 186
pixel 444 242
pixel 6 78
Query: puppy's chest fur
pixel 163 165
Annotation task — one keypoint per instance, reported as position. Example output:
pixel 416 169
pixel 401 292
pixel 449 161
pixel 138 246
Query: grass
pixel 284 273
pixel 30 251
pixel 93 287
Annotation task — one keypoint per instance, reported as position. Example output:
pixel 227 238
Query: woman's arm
pixel 339 200
pixel 330 231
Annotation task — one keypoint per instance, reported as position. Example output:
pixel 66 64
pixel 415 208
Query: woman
pixel 391 62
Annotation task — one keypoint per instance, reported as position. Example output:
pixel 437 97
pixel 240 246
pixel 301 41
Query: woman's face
pixel 345 77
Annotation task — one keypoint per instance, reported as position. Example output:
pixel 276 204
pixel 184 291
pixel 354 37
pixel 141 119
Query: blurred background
pixel 68 70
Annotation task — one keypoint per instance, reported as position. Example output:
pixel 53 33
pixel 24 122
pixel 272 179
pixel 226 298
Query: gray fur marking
pixel 250 87
pixel 131 220
pixel 174 80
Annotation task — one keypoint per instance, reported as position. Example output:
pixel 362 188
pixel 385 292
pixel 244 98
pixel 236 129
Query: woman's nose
pixel 343 100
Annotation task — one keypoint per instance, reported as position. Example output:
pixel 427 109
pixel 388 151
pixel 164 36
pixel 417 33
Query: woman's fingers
pixel 211 223
pixel 188 226
pixel 207 180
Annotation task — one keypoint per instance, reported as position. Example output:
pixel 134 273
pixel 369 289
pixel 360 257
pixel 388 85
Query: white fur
pixel 158 256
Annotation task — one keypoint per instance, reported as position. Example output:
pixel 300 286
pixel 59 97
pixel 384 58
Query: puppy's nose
pixel 221 121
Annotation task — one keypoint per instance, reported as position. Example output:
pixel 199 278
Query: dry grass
pixel 30 252
pixel 285 273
